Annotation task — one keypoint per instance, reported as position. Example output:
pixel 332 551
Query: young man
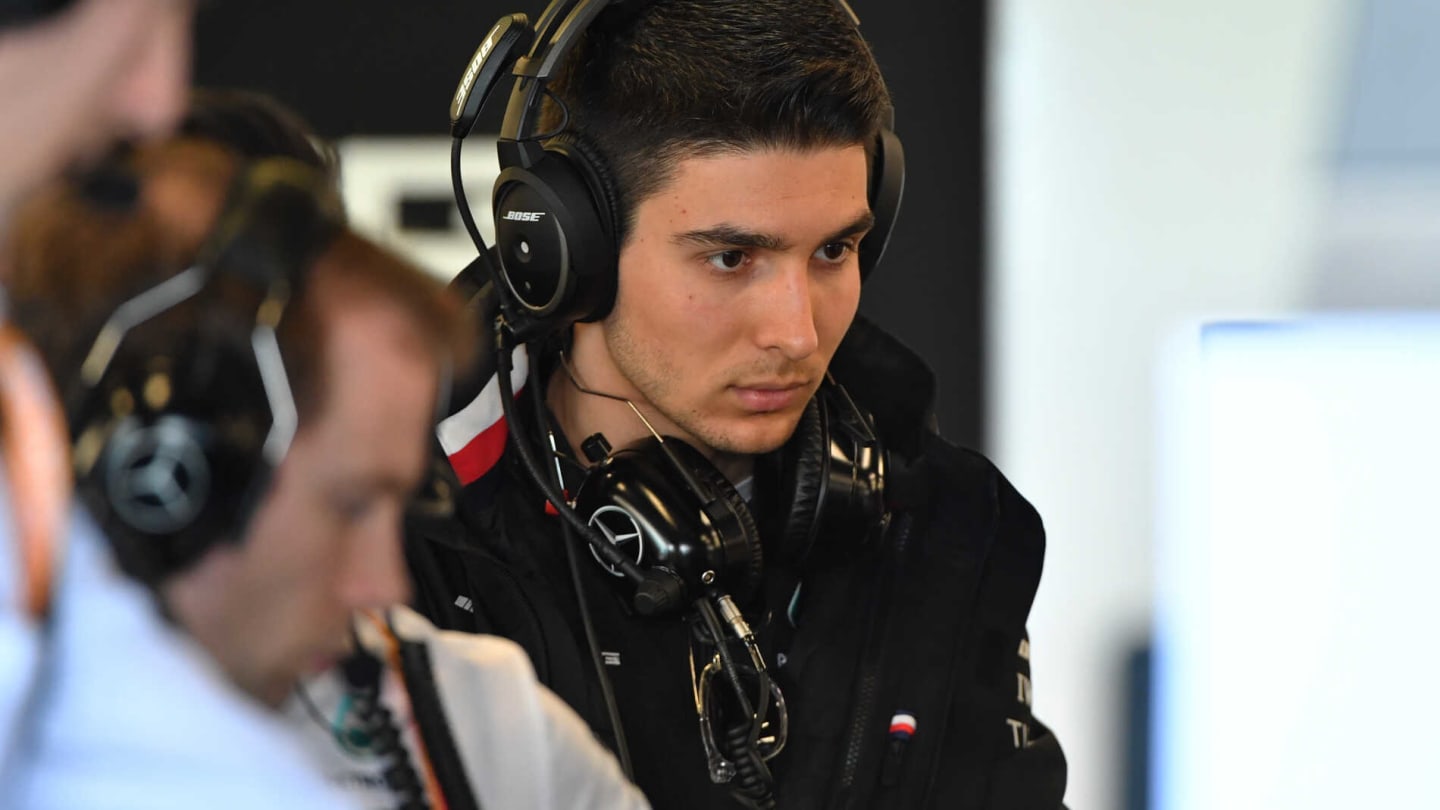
pixel 734 143
pixel 249 386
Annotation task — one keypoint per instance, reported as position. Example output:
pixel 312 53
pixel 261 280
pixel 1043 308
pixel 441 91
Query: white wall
pixel 377 172
pixel 1150 160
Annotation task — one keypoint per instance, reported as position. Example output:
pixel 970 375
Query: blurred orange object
pixel 37 469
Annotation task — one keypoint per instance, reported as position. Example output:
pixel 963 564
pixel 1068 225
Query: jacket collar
pixel 888 379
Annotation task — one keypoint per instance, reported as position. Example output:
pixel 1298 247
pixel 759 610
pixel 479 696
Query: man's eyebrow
pixel 861 224
pixel 727 235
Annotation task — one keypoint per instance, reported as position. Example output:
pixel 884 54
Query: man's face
pixel 738 282
pixel 71 84
pixel 325 541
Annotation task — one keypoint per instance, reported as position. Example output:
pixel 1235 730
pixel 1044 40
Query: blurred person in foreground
pixel 259 126
pixel 75 75
pixel 248 387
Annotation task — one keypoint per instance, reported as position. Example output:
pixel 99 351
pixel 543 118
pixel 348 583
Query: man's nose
pixel 786 312
pixel 375 573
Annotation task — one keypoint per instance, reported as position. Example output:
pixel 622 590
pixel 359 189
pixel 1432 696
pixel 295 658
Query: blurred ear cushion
pixel 803 462
pixel 13 12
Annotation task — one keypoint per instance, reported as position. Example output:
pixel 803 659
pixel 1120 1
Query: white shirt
pixel 129 712
pixel 521 746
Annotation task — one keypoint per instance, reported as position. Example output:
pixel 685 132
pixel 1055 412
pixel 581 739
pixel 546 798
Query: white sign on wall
pixel 380 176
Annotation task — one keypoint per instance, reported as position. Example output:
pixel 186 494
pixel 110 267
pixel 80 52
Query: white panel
pixel 1150 160
pixel 376 173
pixel 1297 558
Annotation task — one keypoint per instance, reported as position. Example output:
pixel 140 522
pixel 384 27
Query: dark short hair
pixel 256 125
pixel 71 263
pixel 688 78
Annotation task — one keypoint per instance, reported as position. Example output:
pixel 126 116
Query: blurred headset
pixel 176 434
pixel 23 11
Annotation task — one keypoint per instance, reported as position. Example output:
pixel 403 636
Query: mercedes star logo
pixel 620 528
pixel 157 476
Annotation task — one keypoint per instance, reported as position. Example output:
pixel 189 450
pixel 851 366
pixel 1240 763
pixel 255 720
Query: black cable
pixel 751 772
pixel 362 675
pixel 741 738
pixel 461 202
pixel 607 690
pixel 311 709
pixel 432 724
pixel 727 661
pixel 607 551
pixel 564 117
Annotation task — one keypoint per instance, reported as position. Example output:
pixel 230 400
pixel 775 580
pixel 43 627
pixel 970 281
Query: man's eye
pixel 729 260
pixel 833 252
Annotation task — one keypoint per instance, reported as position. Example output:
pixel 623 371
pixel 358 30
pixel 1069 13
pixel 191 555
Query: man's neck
pixel 583 414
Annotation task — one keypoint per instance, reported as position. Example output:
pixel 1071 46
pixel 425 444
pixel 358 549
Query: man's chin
pixel 757 436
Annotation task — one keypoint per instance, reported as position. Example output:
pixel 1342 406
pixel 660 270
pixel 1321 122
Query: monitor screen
pixel 1298 566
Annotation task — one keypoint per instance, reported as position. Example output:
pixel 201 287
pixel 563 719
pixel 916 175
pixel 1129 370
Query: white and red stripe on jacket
pixel 474 437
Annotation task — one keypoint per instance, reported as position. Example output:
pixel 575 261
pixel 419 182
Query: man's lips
pixel 763 397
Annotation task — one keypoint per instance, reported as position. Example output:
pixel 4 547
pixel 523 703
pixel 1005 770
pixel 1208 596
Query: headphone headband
pixel 558 32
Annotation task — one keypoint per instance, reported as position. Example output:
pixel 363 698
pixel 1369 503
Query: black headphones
pixel 555 205
pixel 664 504
pixel 175 439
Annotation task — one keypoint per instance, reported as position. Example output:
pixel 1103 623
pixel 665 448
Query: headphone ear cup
pixel 178 464
pixel 722 490
pixel 796 483
pixel 887 187
pixel 597 176
pixel 686 515
pixel 553 235
pixel 606 195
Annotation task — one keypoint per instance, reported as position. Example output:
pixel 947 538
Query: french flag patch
pixel 474 437
pixel 902 726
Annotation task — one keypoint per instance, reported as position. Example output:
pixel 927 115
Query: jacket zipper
pixel 870 674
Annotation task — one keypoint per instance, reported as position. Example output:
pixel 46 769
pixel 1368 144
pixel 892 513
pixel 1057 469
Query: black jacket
pixel 930 622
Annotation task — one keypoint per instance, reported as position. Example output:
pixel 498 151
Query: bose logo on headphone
pixel 524 216
pixel 471 72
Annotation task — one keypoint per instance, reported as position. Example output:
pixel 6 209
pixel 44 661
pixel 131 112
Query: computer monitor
pixel 1297 662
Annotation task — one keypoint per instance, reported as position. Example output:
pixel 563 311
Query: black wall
pixel 375 67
